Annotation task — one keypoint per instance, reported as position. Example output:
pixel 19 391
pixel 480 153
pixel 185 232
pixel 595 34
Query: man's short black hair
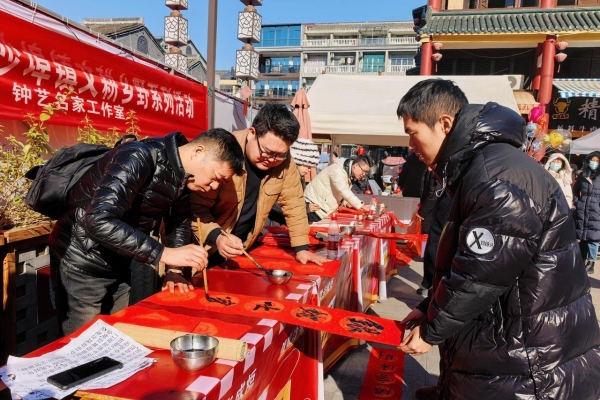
pixel 428 100
pixel 362 160
pixel 279 120
pixel 224 147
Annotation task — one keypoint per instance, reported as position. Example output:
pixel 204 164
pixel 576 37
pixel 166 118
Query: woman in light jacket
pixel 558 166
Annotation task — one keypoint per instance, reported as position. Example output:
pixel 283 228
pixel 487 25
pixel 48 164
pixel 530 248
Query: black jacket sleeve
pixel 178 223
pixel 480 275
pixel 129 169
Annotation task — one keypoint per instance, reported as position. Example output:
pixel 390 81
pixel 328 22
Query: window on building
pixel 283 35
pixel 142 45
pixel 373 63
pixel 402 59
pixel 188 50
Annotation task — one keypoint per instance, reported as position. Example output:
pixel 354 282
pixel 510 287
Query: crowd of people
pixel 511 242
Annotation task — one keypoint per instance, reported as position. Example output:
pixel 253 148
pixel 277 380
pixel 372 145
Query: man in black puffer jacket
pixel 131 190
pixel 510 307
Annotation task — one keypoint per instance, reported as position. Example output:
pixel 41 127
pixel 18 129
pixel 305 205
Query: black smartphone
pixel 84 372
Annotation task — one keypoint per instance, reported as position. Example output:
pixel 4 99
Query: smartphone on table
pixel 85 372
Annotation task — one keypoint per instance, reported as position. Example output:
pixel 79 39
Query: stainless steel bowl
pixel 193 352
pixel 279 276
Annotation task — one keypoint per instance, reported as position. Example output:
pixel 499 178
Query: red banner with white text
pixel 37 64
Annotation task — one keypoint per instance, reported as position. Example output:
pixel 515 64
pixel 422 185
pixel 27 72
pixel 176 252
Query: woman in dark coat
pixel 586 196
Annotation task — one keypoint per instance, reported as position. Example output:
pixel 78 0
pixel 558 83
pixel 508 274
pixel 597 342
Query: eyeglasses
pixel 270 156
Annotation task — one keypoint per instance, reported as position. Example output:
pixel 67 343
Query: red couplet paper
pixel 331 320
pixel 155 317
pixel 271 257
pixel 384 376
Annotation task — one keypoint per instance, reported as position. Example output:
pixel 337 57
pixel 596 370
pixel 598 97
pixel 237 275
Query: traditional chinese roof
pixel 556 20
pixel 113 26
pixel 398 26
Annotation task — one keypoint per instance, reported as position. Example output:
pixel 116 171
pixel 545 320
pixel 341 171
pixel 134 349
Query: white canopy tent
pixel 586 144
pixel 356 109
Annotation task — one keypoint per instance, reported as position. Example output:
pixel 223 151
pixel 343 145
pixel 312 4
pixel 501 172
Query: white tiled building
pixel 293 55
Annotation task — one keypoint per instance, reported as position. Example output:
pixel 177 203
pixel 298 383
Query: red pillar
pixel 435 5
pixel 427 46
pixel 537 74
pixel 426 53
pixel 547 3
pixel 545 93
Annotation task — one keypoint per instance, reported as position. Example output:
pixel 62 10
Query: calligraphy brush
pixel 205 272
pixel 266 271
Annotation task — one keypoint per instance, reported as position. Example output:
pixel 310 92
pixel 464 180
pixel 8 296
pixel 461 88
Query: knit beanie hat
pixel 305 152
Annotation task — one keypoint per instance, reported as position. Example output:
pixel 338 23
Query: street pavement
pixel 344 380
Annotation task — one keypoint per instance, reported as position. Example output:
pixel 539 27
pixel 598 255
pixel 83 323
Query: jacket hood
pixel 475 127
pixel 586 170
pixel 566 167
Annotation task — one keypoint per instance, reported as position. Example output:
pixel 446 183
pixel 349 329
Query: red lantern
pixel 560 57
pixel 561 46
pixel 436 57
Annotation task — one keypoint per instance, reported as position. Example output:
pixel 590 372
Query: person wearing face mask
pixel 586 193
pixel 558 166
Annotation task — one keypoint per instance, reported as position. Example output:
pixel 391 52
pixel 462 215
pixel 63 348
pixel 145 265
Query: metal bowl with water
pixel 279 276
pixel 193 352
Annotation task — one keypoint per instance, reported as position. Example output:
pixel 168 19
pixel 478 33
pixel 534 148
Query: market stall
pixel 357 109
pixel 285 360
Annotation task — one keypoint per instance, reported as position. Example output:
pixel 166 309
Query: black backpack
pixel 53 180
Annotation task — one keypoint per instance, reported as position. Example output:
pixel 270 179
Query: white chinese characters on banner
pixel 95 90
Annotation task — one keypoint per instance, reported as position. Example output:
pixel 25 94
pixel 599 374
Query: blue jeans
pixel 589 250
pixel 81 297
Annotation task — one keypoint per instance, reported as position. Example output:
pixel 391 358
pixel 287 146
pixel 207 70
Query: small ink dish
pixel 279 276
pixel 193 352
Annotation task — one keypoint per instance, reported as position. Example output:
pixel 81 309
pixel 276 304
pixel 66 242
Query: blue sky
pixel 272 11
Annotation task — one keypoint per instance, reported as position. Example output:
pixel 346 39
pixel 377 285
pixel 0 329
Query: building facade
pixel 292 56
pixel 551 48
pixel 133 33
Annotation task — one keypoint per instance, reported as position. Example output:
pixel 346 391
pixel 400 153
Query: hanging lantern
pixel 249 25
pixel 436 57
pixel 437 46
pixel 246 62
pixel 176 29
pixel 177 4
pixel 561 46
pixel 176 59
pixel 559 58
pixel 252 2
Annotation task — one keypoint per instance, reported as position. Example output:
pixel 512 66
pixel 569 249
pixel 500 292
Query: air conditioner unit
pixel 515 81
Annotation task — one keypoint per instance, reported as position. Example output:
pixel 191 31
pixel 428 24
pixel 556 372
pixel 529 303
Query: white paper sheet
pixel 26 377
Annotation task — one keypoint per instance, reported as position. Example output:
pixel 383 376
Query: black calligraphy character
pixel 364 325
pixel 311 314
pixel 384 379
pixel 382 391
pixel 267 306
pixel 224 301
pixel 387 367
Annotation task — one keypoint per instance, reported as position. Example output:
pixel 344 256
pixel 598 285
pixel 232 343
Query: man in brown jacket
pixel 241 206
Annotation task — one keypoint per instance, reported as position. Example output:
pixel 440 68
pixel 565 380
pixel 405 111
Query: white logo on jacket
pixel 480 240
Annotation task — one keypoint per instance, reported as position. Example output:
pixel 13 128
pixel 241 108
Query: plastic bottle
pixel 373 206
pixel 333 238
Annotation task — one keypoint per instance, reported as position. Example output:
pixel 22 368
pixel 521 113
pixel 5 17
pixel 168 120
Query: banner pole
pixel 211 60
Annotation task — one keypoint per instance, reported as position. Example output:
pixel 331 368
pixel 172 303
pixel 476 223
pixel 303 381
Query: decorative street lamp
pixel 176 59
pixel 177 4
pixel 176 29
pixel 249 29
pixel 249 25
pixel 246 63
